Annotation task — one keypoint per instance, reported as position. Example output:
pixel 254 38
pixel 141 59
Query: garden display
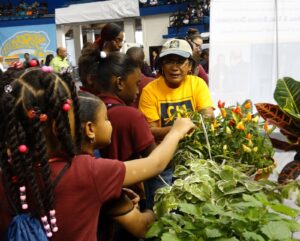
pixel 215 195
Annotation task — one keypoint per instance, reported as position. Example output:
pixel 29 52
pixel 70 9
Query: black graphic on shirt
pixel 168 111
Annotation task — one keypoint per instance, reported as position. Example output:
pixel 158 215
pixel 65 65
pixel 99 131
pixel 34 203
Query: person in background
pixel 194 39
pixel 137 54
pixel 204 61
pixel 49 57
pixel 26 60
pixel 43 134
pixel 111 38
pixel 60 61
pixel 154 59
pixel 173 91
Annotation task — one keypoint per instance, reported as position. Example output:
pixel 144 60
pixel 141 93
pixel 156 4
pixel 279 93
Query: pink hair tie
pixel 47 69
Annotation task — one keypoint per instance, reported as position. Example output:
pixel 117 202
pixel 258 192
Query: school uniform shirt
pixel 78 196
pixel 131 133
pixel 160 102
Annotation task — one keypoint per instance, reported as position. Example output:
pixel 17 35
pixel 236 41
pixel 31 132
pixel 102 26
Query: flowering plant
pixel 235 136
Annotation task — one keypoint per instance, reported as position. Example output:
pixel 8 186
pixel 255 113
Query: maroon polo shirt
pixel 78 197
pixel 131 133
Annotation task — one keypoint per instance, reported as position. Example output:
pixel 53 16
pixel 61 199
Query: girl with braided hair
pixel 39 137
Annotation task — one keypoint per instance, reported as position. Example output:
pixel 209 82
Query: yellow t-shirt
pixel 159 102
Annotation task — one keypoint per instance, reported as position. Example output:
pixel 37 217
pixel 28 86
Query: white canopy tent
pixel 252 44
pixel 97 11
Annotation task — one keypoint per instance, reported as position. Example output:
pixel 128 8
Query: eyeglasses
pixel 180 63
pixel 197 45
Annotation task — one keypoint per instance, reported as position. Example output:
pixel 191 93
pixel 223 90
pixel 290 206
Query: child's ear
pixel 89 130
pixel 120 83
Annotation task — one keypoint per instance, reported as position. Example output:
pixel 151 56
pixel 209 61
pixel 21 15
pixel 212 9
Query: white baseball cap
pixel 178 47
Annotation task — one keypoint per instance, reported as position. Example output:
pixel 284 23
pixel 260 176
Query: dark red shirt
pixel 78 196
pixel 131 133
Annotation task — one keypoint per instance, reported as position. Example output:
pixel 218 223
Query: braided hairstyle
pixel 42 93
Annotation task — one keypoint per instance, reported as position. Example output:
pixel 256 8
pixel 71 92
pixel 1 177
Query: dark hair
pixel 115 64
pixel 192 34
pixel 89 105
pixel 43 93
pixel 108 33
pixel 136 54
pixel 49 57
pixel 103 69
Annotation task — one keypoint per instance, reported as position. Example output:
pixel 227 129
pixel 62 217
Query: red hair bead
pixel 68 101
pixel 31 114
pixel 66 107
pixel 22 148
pixel 43 118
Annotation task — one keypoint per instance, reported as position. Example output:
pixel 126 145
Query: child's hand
pixel 182 126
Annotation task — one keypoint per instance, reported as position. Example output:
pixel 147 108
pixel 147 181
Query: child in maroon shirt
pixel 41 120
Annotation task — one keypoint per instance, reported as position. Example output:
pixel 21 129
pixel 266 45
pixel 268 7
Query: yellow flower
pixel 223 112
pixel 247 105
pixel 266 126
pixel 255 119
pixel 246 148
pixel 255 149
pixel 249 136
pixel 240 126
pixel 249 116
pixel 228 131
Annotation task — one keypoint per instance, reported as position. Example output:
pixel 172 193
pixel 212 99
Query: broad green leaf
pixel 213 232
pixel 155 230
pixel 190 209
pixel 226 185
pixel 281 208
pixel 170 237
pixel 250 236
pixel 277 230
pixel 252 200
pixel 227 239
pixel 287 95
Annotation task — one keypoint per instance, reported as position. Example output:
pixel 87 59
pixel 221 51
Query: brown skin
pixel 175 70
pixel 62 52
pixel 114 45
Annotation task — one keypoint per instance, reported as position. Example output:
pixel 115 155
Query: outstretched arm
pixel 142 169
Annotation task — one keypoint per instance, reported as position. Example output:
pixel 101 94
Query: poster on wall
pixel 37 40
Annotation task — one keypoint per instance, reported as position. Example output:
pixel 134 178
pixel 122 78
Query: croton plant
pixel 286 117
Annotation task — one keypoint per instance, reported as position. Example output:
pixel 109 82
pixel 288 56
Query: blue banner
pixel 37 40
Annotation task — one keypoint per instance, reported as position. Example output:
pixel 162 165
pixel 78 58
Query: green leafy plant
pixel 235 136
pixel 214 202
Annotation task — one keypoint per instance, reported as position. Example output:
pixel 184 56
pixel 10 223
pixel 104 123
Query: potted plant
pixel 286 117
pixel 235 137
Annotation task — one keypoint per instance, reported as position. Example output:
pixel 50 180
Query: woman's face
pixel 129 87
pixel 197 43
pixel 175 69
pixel 117 42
